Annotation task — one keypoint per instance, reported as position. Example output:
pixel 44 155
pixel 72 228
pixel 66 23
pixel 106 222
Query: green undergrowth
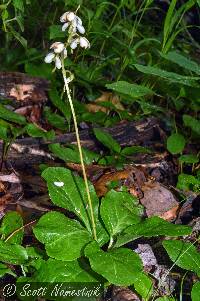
pixel 145 55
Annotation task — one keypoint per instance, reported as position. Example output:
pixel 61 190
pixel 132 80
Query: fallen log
pixel 29 151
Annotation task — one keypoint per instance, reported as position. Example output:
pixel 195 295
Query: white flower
pixel 49 57
pixel 67 16
pixel 78 20
pixel 70 19
pixel 57 47
pixel 80 28
pixel 58 63
pixel 65 26
pixel 84 43
pixel 59 51
pixel 74 43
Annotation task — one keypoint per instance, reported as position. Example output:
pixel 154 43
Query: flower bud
pixel 57 47
pixel 84 43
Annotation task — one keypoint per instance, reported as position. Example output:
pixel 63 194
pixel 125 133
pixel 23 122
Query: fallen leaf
pixel 114 100
pixel 133 178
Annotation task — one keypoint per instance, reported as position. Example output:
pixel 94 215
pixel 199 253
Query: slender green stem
pixel 80 150
pixel 19 229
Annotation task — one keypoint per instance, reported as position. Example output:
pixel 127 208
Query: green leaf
pixel 182 61
pixel 14 254
pixel 55 31
pixel 144 286
pixel 132 90
pixel 11 222
pixel 176 143
pixel 19 4
pixel 5 270
pixel 60 104
pixel 71 195
pixel 58 271
pixel 120 266
pixel 119 210
pixel 127 151
pixel 11 116
pixel 171 76
pixel 153 226
pixel 186 182
pixel 64 153
pixel 55 120
pixel 168 25
pixel 19 37
pixel 107 140
pixel 183 254
pixel 72 155
pixel 34 131
pixel 41 70
pixel 3 133
pixel 192 123
pixel 195 291
pixel 188 159
pixel 64 238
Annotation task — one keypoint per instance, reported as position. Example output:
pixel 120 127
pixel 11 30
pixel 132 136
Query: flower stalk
pixel 59 52
pixel 79 149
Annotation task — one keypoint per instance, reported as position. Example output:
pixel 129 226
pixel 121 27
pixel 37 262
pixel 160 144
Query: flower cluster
pixel 54 56
pixel 73 24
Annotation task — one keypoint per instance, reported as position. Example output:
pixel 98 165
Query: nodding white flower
pixel 58 63
pixel 74 43
pixel 56 55
pixel 49 57
pixel 58 47
pixel 84 43
pixel 67 16
pixel 78 20
pixel 80 28
pixel 65 26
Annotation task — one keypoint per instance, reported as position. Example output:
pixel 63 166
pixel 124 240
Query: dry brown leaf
pixel 4 201
pixel 131 177
pixel 106 96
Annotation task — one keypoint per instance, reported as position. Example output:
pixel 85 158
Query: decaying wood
pixel 29 151
pixel 23 89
